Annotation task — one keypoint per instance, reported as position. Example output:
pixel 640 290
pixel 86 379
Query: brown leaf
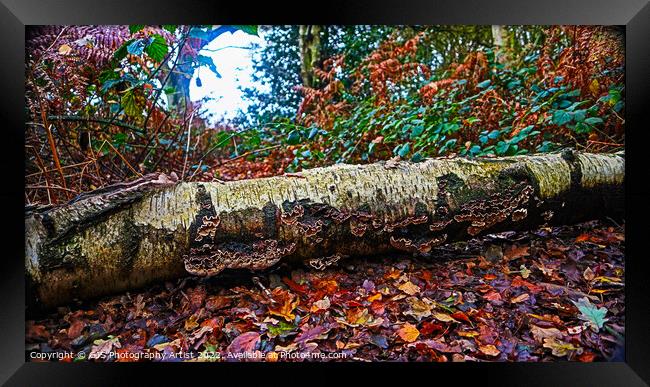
pixel 76 328
pixel 540 333
pixel 409 288
pixel 515 252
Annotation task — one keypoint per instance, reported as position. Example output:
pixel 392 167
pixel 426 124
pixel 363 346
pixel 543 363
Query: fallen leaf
pixel 591 313
pixel 540 333
pixel 560 348
pixel 409 288
pixel 318 332
pixel 76 328
pixel 492 296
pixel 419 309
pixel 103 348
pixel 489 350
pixel 588 274
pixel 520 298
pixel 515 252
pixel 191 323
pixel 246 342
pixel 408 333
pixel 461 316
pixel 319 305
pixel 430 327
pixel 286 303
pixel 525 273
pixel 443 317
pixel 214 303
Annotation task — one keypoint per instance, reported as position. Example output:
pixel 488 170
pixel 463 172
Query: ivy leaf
pixel 483 84
pixel 561 117
pixel 293 138
pixel 594 120
pixel 157 49
pixel 591 313
pixel 404 150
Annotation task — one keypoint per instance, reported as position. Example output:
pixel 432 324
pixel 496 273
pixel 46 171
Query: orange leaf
pixel 489 350
pixel 408 332
pixel 520 298
pixel 286 303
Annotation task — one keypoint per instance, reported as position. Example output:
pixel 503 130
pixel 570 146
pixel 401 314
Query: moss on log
pixel 154 229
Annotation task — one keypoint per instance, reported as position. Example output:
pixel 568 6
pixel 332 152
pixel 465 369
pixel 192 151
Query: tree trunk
pixel 153 229
pixel 500 40
pixel 310 52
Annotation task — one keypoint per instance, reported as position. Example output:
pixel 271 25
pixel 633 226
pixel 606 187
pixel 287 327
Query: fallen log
pixel 129 235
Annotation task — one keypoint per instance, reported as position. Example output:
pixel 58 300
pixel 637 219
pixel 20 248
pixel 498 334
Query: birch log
pixel 127 236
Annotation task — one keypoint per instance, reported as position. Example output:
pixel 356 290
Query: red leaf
pixel 295 286
pixel 461 316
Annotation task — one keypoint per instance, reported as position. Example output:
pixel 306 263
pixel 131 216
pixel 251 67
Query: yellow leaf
pixel 443 317
pixel 409 288
pixel 64 49
pixel 191 323
pixel 286 303
pixel 560 348
pixel 594 87
pixel 374 297
pixel 408 332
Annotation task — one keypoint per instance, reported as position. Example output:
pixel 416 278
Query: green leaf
pixel 121 52
pixel 404 150
pixel 170 27
pixel 594 120
pixel 416 131
pixel 484 84
pixel 282 329
pixel 133 28
pixel 312 133
pixel 157 49
pixel 561 117
pixel 591 313
pixel 129 102
pixel 293 138
pixel 249 29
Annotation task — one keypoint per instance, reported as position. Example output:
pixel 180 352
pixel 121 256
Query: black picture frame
pixel 634 14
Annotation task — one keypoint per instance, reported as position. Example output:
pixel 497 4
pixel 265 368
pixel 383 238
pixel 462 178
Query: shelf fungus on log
pixel 126 236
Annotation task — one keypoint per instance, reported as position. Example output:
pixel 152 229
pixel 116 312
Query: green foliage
pixel 157 48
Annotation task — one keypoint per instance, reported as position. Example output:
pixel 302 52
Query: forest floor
pixel 546 295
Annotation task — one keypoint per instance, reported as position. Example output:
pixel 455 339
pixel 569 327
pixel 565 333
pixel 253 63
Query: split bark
pixel 154 229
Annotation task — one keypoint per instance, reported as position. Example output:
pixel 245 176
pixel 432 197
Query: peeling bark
pixel 154 229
